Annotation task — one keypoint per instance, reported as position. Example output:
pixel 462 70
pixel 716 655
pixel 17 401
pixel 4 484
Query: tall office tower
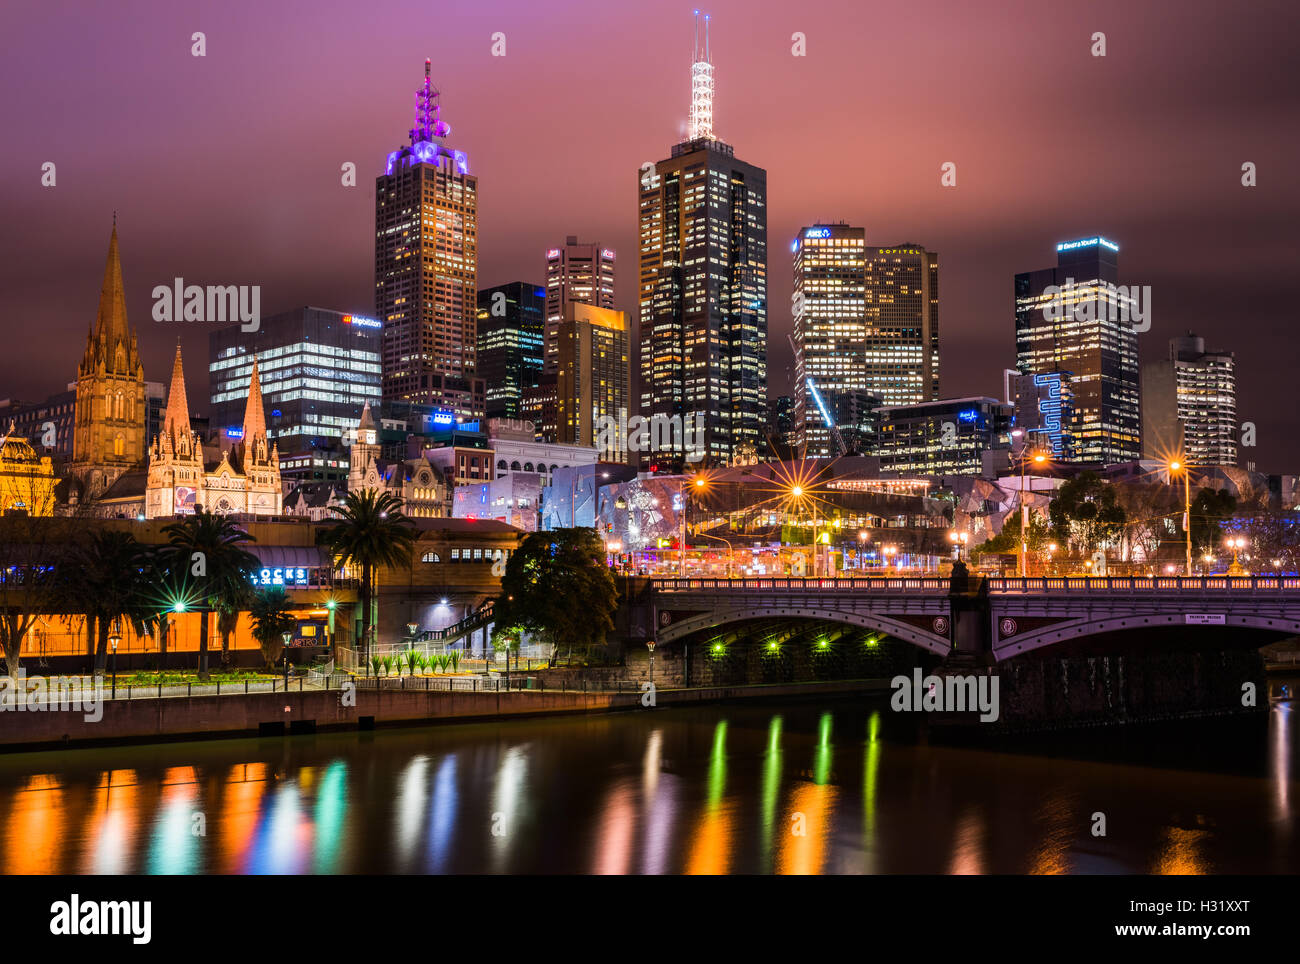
pixel 577 272
pixel 110 407
pixel 703 284
pixel 1073 318
pixel 1189 404
pixel 318 369
pixel 511 323
pixel 592 383
pixel 866 320
pixel 426 265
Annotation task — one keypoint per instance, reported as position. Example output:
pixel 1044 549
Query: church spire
pixel 176 422
pixel 254 413
pixel 111 325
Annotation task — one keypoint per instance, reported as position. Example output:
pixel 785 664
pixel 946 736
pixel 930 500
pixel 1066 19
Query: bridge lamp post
pixel 862 546
pixel 114 638
pixel 959 539
pixel 1174 466
pixel 889 552
pixel 1236 544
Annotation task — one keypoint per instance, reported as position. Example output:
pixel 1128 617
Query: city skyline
pixel 985 229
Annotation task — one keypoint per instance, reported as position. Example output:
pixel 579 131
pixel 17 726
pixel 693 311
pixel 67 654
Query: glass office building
pixel 317 367
pixel 511 323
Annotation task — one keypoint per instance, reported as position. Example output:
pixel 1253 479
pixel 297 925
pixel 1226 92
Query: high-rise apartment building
pixel 1189 404
pixel 511 326
pixel 1075 318
pixel 592 383
pixel 576 272
pixel 703 284
pixel 426 266
pixel 866 320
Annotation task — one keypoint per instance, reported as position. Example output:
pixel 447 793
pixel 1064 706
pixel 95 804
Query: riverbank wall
pixel 273 714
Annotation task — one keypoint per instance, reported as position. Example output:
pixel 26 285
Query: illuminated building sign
pixel 362 321
pixel 553 253
pixel 817 233
pixel 443 418
pixel 280 576
pixel 1087 243
pixel 606 253
pixel 1051 406
pixel 969 415
pixel 234 431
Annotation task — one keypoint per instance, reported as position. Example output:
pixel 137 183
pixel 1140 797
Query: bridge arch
pixel 722 616
pixel 1005 647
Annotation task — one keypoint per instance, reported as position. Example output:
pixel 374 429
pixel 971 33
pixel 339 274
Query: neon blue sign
pixel 969 415
pixel 1087 243
pixel 821 406
pixel 1051 407
pixel 817 233
pixel 234 431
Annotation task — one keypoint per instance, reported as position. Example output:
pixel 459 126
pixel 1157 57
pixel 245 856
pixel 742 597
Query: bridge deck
pixel 997 585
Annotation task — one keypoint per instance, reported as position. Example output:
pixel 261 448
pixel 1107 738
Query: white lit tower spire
pixel 701 120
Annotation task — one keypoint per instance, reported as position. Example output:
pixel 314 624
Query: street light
pixel 888 552
pixel 959 539
pixel 1174 466
pixel 1040 459
pixel 650 645
pixel 287 636
pixel 115 637
pixel 1236 544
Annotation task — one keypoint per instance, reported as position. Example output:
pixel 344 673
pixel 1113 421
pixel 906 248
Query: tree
pixel 1147 510
pixel 30 550
pixel 105 573
pixel 558 586
pixel 1210 509
pixel 269 610
pixel 1008 540
pixel 370 533
pixel 210 548
pixel 1086 514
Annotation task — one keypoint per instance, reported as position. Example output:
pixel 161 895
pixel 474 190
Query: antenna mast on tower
pixel 701 116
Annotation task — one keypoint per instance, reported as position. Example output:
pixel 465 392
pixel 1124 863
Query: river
pixel 806 787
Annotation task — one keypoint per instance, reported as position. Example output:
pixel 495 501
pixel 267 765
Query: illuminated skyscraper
pixel 1074 318
pixel 866 320
pixel 575 274
pixel 1189 404
pixel 426 266
pixel 703 283
pixel 510 325
pixel 592 382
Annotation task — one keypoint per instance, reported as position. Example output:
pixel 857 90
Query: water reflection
pixel 797 789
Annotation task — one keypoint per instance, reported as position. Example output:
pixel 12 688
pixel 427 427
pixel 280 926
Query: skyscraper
pixel 593 378
pixel 1074 318
pixel 318 368
pixel 426 265
pixel 703 282
pixel 511 319
pixel 576 272
pixel 866 320
pixel 1189 404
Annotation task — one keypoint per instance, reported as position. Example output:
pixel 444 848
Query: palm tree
pixel 106 575
pixel 210 548
pixel 269 610
pixel 370 533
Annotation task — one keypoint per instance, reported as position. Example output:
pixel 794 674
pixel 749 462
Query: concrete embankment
pixel 198 717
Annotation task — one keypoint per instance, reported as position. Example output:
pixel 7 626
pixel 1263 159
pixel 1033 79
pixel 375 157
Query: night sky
pixel 226 169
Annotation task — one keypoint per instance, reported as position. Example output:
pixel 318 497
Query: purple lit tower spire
pixel 428 120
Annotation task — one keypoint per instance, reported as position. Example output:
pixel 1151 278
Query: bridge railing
pixel 1057 584
pixel 809 584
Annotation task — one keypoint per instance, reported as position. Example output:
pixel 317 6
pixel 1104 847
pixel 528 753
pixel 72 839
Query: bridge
pixel 1004 616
